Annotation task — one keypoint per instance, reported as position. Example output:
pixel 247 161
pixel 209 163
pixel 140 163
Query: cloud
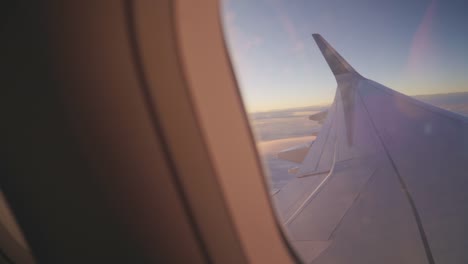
pixel 274 146
pixel 242 41
pixel 254 42
pixel 296 43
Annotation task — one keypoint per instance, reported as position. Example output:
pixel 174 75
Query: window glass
pixel 347 164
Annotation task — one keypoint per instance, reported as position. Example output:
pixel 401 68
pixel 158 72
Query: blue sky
pixel 415 47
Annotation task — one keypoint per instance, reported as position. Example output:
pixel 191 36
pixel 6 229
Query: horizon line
pixel 327 104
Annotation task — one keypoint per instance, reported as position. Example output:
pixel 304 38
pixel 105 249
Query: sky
pixel 415 47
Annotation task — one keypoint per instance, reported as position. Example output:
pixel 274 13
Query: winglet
pixel 337 64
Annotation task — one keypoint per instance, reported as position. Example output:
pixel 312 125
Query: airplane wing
pixel 386 180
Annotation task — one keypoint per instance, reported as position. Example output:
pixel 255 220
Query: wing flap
pixel 295 154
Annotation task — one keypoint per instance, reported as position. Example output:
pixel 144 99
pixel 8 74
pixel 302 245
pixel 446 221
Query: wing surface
pixel 386 180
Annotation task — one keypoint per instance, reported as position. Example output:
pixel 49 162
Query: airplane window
pixel 360 113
